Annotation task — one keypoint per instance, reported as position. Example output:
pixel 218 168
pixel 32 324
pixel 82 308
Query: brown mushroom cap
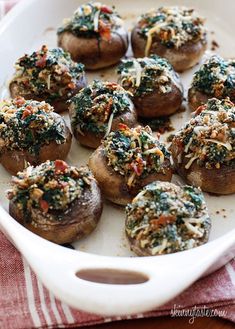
pixel 157 104
pixel 183 58
pixel 113 185
pixel 78 221
pixel 217 181
pixel 93 52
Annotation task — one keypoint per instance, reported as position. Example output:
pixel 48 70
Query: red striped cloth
pixel 25 303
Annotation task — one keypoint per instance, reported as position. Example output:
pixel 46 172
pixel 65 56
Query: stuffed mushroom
pixel 156 87
pixel 165 218
pixel 175 33
pixel 215 78
pixel 30 132
pixel 127 160
pixel 204 149
pixel 98 109
pixel 60 203
pixel 94 35
pixel 48 75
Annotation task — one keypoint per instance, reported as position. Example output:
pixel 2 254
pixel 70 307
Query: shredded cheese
pixel 193 229
pixel 227 145
pixel 96 21
pixel 188 165
pixel 109 126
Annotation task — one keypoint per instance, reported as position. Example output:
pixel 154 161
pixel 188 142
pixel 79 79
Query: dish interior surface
pixel 109 237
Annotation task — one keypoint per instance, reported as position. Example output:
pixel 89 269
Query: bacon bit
pixel 28 111
pixel 19 101
pixel 44 205
pixel 106 10
pixel 72 85
pixel 113 85
pixel 60 166
pixel 108 109
pixel 42 61
pixel 137 166
pixel 122 126
pixel 163 220
pixel 63 184
pixel 200 109
pixel 136 169
pixel 104 30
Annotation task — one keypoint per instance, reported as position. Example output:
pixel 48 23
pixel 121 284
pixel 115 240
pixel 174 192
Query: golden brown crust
pixel 60 105
pixel 113 185
pixel 15 160
pixel 95 53
pixel 78 221
pixel 196 98
pixel 181 59
pixel 159 104
pixel 217 181
pixel 92 140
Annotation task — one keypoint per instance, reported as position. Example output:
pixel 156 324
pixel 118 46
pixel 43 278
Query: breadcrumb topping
pixel 92 20
pixel 216 77
pixel 144 75
pixel 208 138
pixel 27 125
pixel 53 185
pixel 134 153
pixel 172 26
pixel 165 218
pixel 47 72
pixel 97 105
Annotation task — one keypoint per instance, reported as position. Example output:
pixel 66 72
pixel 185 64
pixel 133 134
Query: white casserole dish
pixel 31 24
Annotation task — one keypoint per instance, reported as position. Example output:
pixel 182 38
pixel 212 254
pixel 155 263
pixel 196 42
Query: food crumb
pixel 217 212
pixel 214 45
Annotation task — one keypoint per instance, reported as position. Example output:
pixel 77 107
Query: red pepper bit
pixel 106 9
pixel 19 101
pixel 122 126
pixel 112 85
pixel 28 111
pixel 104 30
pixel 44 205
pixel 200 109
pixel 72 85
pixel 60 166
pixel 41 62
pixel 137 166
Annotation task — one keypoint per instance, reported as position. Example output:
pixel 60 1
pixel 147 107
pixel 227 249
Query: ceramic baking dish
pixel 124 284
